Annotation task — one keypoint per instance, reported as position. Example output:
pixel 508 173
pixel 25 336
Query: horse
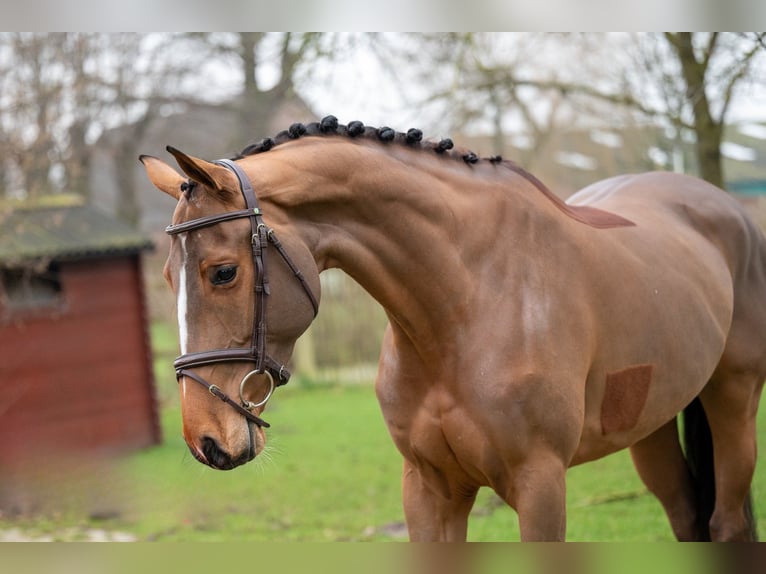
pixel 526 334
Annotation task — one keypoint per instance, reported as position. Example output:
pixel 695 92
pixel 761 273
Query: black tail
pixel 698 444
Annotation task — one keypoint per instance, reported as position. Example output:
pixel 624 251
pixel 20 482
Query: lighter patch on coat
pixel 535 309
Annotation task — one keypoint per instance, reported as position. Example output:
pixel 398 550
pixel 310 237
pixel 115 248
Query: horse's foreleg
pixel 538 493
pixel 432 515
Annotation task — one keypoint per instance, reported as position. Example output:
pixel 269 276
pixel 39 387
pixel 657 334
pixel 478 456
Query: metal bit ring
pixel 250 405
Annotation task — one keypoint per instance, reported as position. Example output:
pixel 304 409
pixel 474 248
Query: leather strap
pixel 219 394
pixel 259 244
pixel 294 268
pixel 203 358
pixel 209 220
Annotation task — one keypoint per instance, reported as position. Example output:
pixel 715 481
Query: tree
pixel 506 83
pixel 713 67
pixel 147 73
pixel 61 90
pixel 268 65
pixel 30 109
pixel 686 81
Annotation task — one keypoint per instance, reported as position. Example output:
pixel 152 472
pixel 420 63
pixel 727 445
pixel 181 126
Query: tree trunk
pixel 128 209
pixel 708 152
pixel 258 106
pixel 77 164
pixel 254 109
pixel 708 130
pixel 128 206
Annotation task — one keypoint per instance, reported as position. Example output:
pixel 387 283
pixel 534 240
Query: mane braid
pixel 413 139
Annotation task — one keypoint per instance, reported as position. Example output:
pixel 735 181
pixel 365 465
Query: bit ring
pixel 248 405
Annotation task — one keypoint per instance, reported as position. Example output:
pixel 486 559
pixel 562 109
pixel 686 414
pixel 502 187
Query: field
pixel 331 473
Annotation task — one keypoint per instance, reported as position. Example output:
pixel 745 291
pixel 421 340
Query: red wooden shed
pixel 75 363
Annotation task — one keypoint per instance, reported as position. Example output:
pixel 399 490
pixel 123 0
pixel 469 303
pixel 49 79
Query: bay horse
pixel 526 334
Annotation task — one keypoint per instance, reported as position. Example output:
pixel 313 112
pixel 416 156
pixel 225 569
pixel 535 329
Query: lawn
pixel 330 473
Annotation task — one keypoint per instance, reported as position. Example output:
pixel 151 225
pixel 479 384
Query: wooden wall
pixel 77 377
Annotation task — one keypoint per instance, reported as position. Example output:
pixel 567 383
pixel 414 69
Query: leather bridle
pixel 260 237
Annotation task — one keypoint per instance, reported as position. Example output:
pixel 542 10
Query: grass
pixel 331 473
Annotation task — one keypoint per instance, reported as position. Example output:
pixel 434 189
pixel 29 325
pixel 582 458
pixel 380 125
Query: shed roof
pixel 64 233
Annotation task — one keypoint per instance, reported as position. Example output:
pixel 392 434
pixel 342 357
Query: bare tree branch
pixel 709 50
pixel 744 68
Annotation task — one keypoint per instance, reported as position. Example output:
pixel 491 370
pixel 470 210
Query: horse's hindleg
pixel 731 404
pixel 662 467
pixel 433 515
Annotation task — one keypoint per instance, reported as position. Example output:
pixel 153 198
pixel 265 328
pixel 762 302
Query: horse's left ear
pixel 164 177
pixel 206 173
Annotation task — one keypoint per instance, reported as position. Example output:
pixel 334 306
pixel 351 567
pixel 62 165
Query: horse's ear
pixel 206 173
pixel 164 177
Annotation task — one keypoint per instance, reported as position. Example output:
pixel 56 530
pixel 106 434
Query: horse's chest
pixel 445 451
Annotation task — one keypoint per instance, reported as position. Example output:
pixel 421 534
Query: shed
pixel 75 363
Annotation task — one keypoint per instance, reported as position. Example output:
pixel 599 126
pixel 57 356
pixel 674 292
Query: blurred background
pixel 87 324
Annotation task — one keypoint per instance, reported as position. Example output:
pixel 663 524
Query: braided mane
pixel 357 130
pixel 413 138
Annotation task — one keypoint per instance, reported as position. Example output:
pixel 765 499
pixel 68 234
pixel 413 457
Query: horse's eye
pixel 222 275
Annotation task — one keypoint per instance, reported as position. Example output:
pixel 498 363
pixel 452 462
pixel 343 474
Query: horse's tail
pixel 698 443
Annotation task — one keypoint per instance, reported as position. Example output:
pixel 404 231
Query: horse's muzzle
pixel 211 454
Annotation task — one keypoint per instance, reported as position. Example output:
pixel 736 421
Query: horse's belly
pixel 633 403
pixel 660 338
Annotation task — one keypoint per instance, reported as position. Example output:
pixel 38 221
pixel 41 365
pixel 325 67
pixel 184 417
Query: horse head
pixel 217 268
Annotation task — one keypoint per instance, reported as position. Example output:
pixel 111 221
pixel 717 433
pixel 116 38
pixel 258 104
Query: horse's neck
pixel 408 230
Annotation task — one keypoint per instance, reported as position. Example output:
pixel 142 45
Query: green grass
pixel 330 473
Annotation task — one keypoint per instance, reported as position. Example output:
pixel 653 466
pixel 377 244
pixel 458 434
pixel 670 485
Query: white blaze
pixel 183 330
pixel 181 301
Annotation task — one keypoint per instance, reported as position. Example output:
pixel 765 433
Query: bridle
pixel 261 235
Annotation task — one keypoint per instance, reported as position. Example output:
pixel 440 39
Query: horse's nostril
pixel 216 457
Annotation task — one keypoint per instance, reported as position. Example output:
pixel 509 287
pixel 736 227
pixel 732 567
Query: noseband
pixel 260 237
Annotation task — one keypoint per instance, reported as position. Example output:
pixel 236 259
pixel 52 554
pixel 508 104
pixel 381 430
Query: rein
pixel 260 237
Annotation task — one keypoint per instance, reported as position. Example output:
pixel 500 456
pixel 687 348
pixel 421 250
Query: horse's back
pixel 664 196
pixel 667 203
